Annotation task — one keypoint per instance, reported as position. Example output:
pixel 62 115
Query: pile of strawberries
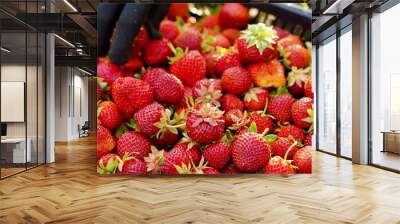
pixel 214 95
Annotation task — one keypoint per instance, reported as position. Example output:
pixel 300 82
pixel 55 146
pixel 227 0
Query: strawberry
pixel 178 10
pixel 146 117
pixel 233 15
pixel 280 106
pixel 296 81
pixel 291 39
pixel 192 149
pixel 134 63
pixel 210 170
pixel 250 152
pixel 303 112
pixel 217 155
pixel 262 121
pixel 130 95
pixel 169 29
pixel 224 59
pixel 235 80
pixel 109 164
pixel 205 124
pixel 231 34
pixel 155 160
pixel 133 144
pixel 308 92
pixel 207 91
pixel 168 126
pixel 267 74
pixel 296 55
pixel 307 140
pixel 256 99
pixel 157 52
pixel 174 159
pixel 281 33
pixel 211 41
pixel 108 115
pixel 231 169
pixel 187 94
pixel 189 38
pixel 152 74
pixel 168 89
pixel 165 139
pixel 281 145
pixel 302 159
pixel 291 132
pixel 189 67
pixel 230 102
pixel 235 119
pixel 257 44
pixel 134 166
pixel 210 22
pixel 141 40
pixel 105 141
pixel 108 71
pixel 279 165
pixel 211 60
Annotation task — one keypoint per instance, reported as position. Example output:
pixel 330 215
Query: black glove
pixel 127 20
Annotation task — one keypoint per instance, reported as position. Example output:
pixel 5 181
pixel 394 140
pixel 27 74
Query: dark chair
pixel 84 130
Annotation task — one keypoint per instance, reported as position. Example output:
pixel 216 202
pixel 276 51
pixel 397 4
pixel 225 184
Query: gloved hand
pixel 127 20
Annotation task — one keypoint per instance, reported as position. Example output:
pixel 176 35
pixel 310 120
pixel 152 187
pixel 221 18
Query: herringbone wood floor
pixel 70 191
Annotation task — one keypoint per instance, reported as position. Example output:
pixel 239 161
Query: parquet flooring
pixel 70 191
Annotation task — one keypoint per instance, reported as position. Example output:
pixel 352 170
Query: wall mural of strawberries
pixel 217 93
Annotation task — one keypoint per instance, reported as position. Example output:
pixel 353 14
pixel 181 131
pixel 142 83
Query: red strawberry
pixel 297 56
pixel 308 92
pixel 108 115
pixel 289 40
pixel 134 166
pixel 178 10
pixel 291 132
pixel 169 29
pixel 130 95
pixel 205 124
pixel 233 15
pixel 262 122
pixel 281 32
pixel 296 81
pixel 189 67
pixel 177 157
pixel 108 71
pixel 152 74
pixel 187 94
pixel 235 119
pixel 256 99
pixel 302 159
pixel 281 145
pixel 235 80
pixel 277 165
pixel 230 102
pixel 225 59
pixel 146 117
pixel 267 74
pixel 231 34
pixel 105 141
pixel 303 112
pixel 142 39
pixel 134 145
pixel 155 160
pixel 250 152
pixel 307 140
pixel 134 63
pixel 165 139
pixel 191 148
pixel 108 164
pixel 190 38
pixel 280 107
pixel 207 91
pixel 168 89
pixel 257 44
pixel 217 155
pixel 231 169
pixel 210 22
pixel 211 60
pixel 212 41
pixel 157 52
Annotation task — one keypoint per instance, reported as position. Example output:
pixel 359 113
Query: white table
pixel 18 145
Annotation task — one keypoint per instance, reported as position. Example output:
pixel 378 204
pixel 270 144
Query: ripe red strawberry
pixel 134 166
pixel 231 169
pixel 155 160
pixel 308 92
pixel 262 122
pixel 165 139
pixel 256 99
pixel 278 165
pixel 142 39
pixel 280 107
pixel 281 33
pixel 108 71
pixel 230 102
pixel 297 56
pixel 187 94
pixel 133 64
pixel 177 157
pixel 191 148
pixel 231 34
pixel 189 67
pixel 291 132
pixel 235 80
pixel 178 10
pixel 307 140
pixel 210 22
pixel 233 15
pixel 105 141
pixel 210 170
pixel 157 52
pixel 303 112
pixel 205 124
pixel 291 39
pixel 302 159
pixel 207 91
pixel 217 155
pixel 189 38
pixel 250 152
pixel 108 115
pixel 296 81
pixel 132 144
pixel 267 74
pixel 146 117
pixel 169 29
pixel 235 119
pixel 281 145
pixel 130 95
pixel 211 60
pixel 212 41
pixel 152 74
pixel 108 164
pixel 225 59
pixel 257 44
pixel 168 89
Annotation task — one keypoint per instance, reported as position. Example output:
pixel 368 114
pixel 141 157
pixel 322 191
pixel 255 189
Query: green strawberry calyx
pixel 178 53
pixel 207 41
pixel 298 76
pixel 155 160
pixel 252 94
pixel 208 114
pixel 209 94
pixel 260 35
pixel 187 140
pixel 166 124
